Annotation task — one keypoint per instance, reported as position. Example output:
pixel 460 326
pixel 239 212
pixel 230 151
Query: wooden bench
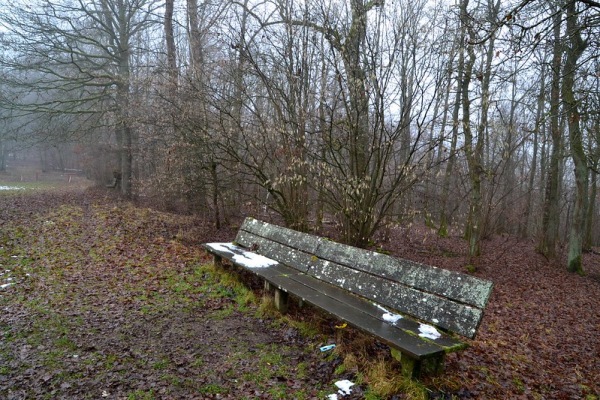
pixel 414 308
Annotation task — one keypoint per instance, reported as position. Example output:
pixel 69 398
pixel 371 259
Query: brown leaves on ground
pixel 113 301
pixel 540 336
pixel 108 302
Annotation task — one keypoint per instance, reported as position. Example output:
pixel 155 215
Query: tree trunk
pixel 170 44
pixel 588 238
pixel 449 171
pixel 524 227
pixel 474 147
pixel 573 53
pixel 550 214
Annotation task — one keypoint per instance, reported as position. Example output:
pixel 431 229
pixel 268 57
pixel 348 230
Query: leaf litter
pixel 116 306
pixel 111 301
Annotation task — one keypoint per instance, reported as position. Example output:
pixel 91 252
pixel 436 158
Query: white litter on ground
pixel 429 332
pixel 344 387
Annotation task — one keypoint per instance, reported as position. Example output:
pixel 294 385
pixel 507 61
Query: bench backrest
pixel 449 300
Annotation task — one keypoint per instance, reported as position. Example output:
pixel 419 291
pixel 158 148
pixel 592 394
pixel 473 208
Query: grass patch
pixel 141 395
pixel 213 388
pixel 161 364
pixel 385 379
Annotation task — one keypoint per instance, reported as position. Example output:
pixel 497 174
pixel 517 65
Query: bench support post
pixel 281 300
pixel 414 368
pixel 268 287
pixel 217 261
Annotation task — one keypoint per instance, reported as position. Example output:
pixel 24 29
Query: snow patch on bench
pixel 243 257
pixel 429 332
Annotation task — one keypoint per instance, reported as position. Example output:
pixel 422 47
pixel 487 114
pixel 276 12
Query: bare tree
pixel 75 57
pixel 573 51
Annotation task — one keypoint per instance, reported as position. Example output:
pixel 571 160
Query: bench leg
pixel 281 300
pixel 217 261
pixel 414 368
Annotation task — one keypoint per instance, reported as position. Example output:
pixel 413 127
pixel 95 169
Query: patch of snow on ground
pixel 8 280
pixel 429 332
pixel 11 188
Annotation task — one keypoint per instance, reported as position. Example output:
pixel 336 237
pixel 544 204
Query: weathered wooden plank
pixel 297 259
pixel 289 237
pixel 229 251
pixel 361 305
pixel 410 344
pixel 453 316
pixel 460 287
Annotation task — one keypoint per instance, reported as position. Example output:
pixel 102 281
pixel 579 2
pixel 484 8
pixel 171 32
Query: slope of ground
pixel 103 299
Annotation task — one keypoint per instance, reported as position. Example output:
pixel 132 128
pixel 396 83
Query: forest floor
pixel 101 298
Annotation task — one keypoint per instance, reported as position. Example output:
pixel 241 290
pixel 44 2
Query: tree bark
pixel 449 171
pixel 550 214
pixel 525 225
pixel 170 44
pixel 573 53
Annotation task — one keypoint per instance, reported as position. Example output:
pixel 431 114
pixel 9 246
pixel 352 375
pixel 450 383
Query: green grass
pixel 141 395
pixel 212 388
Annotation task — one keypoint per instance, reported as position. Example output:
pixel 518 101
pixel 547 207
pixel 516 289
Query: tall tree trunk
pixel 2 155
pixel 194 37
pixel 550 213
pixel 170 44
pixel 449 171
pixel 573 53
pixel 524 227
pixel 124 122
pixel 474 146
pixel 508 172
pixel 588 238
pixel 357 218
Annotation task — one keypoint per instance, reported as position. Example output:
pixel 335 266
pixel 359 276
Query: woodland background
pixel 479 116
